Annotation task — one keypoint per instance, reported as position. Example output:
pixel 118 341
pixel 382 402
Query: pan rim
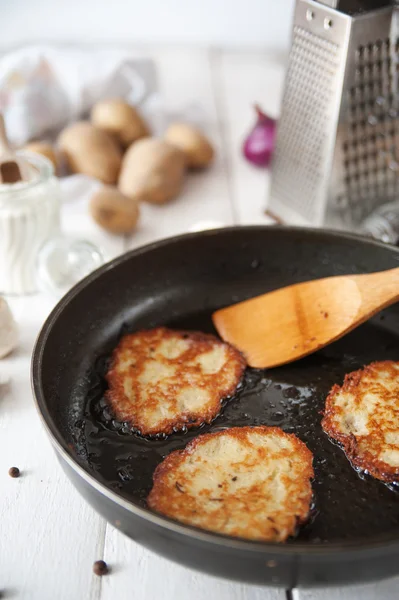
pixel 322 550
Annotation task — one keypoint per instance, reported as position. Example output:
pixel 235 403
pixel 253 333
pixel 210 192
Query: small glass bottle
pixel 29 215
pixel 34 253
pixel 383 223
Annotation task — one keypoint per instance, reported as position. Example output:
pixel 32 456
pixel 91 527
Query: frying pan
pixel 353 533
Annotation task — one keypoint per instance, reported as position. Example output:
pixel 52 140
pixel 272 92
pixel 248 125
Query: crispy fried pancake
pixel 163 380
pixel 249 482
pixel 363 416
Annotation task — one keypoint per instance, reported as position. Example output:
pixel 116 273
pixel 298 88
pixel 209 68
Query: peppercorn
pixel 100 568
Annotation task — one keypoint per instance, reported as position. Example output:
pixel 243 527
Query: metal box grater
pixel 337 148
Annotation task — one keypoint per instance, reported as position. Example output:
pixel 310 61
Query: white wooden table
pixel 50 537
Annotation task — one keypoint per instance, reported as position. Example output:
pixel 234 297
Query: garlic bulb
pixel 8 329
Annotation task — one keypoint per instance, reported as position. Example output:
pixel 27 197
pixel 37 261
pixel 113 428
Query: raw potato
pixel 152 171
pixel 43 148
pixel 90 151
pixel 119 119
pixel 197 148
pixel 113 211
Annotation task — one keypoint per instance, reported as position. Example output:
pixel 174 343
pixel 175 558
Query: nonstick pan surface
pixel 353 534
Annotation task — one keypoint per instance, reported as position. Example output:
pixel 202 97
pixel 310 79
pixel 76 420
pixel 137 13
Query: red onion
pixel 259 144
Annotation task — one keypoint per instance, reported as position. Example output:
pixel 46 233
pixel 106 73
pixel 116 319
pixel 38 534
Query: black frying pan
pixel 353 535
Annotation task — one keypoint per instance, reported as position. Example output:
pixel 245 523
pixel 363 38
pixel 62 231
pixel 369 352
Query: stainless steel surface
pixel 337 154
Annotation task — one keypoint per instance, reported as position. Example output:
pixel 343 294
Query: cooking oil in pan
pixel 348 505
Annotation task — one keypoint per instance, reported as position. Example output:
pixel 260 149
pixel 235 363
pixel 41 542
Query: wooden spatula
pixel 292 322
pixel 12 167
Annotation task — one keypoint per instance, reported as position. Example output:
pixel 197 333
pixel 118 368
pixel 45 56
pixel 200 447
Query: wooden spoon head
pixel 292 322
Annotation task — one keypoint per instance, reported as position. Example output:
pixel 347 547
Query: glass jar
pixel 383 223
pixel 29 216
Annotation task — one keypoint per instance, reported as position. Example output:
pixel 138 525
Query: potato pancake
pixel 248 482
pixel 363 416
pixel 161 380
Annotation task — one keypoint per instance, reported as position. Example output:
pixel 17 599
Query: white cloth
pixel 42 88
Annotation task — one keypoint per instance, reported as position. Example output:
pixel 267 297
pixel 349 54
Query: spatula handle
pixel 378 290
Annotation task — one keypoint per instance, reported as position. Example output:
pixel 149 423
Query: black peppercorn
pixel 100 568
pixel 14 472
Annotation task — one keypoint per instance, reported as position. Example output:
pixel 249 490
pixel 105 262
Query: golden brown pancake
pixel 363 416
pixel 163 380
pixel 248 482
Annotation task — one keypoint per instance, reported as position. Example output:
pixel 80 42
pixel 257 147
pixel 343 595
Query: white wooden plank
pixel 49 535
pixel 185 83
pixel 140 574
pixel 244 79
pixel 383 590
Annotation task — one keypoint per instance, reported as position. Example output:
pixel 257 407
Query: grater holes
pixel 299 159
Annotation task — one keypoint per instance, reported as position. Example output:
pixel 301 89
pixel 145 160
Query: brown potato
pixel 197 148
pixel 90 151
pixel 113 211
pixel 152 171
pixel 44 149
pixel 119 119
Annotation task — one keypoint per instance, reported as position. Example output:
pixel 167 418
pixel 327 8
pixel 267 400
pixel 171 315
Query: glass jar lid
pixel 19 192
